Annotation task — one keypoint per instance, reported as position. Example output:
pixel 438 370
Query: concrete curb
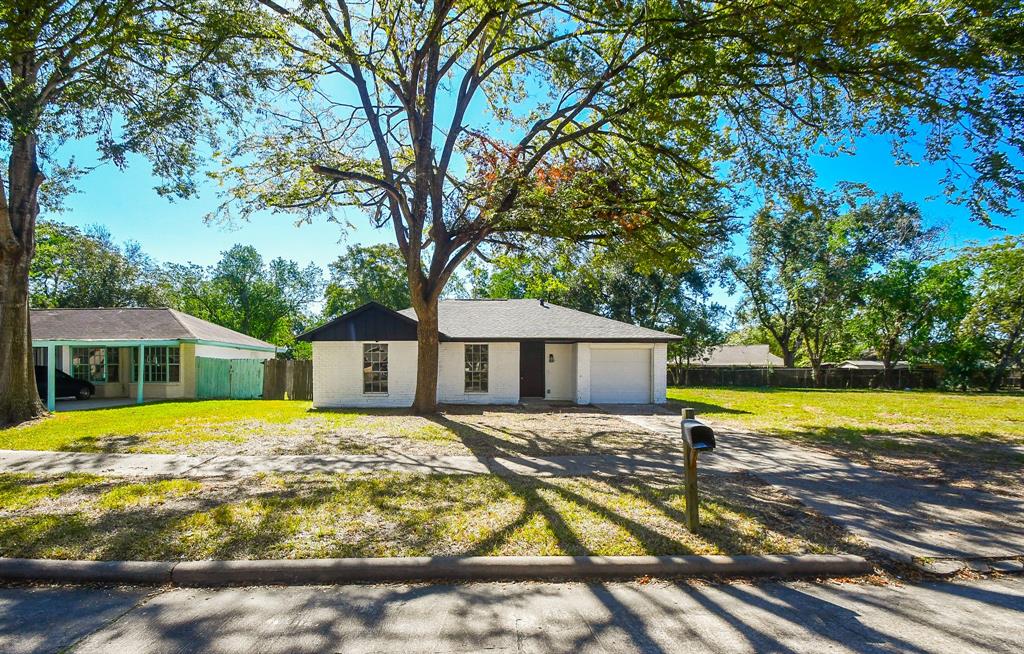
pixel 411 569
pixel 86 572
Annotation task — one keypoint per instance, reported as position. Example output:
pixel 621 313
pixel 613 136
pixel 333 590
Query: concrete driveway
pixel 898 516
pixel 93 403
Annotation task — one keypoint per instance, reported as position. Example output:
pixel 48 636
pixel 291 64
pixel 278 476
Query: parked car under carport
pixel 65 385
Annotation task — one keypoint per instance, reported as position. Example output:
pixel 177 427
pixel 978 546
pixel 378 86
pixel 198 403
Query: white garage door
pixel 620 376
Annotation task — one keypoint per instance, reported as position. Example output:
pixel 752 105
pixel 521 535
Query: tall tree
pixel 996 316
pixel 904 305
pixel 809 262
pixel 132 75
pixel 614 121
pixel 72 268
pixel 267 300
pixel 373 273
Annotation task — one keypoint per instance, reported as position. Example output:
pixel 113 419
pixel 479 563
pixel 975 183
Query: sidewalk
pixel 899 516
pixel 181 465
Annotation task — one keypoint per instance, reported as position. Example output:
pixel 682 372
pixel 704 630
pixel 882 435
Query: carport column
pixel 141 374
pixel 51 378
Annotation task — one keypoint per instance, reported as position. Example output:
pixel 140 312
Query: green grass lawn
pixel 279 426
pixel 831 413
pixel 966 440
pixel 393 514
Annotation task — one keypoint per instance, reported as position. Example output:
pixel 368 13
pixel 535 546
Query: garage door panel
pixel 620 376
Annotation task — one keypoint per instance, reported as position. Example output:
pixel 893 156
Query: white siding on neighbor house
pixel 338 375
pixel 502 368
pixel 228 352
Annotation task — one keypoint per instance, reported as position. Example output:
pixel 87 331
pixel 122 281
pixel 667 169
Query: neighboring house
pixel 867 364
pixel 491 352
pixel 105 347
pixel 751 356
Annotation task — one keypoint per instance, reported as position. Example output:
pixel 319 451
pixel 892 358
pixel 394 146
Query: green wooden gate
pixel 236 379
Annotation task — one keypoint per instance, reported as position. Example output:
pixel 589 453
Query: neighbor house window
pixel 94 364
pixel 162 364
pixel 375 368
pixel 476 368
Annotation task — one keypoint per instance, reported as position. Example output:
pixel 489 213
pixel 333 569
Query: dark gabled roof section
pixel 371 322
pixel 143 323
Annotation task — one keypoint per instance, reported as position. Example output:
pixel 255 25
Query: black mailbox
pixel 698 435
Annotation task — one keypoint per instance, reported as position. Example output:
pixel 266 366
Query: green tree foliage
pixel 996 316
pixel 809 263
pixel 73 268
pixel 908 306
pixel 267 300
pixel 373 273
pixel 618 122
pixel 150 77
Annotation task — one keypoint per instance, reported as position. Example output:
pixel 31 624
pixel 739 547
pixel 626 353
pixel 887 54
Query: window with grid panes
pixel 375 368
pixel 476 368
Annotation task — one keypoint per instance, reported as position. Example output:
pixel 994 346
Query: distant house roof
pixel 741 355
pixel 868 364
pixel 133 324
pixel 498 320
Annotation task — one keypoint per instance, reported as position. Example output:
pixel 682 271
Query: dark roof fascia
pixel 308 335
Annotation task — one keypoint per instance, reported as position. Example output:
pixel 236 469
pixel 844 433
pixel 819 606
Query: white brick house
pixel 491 352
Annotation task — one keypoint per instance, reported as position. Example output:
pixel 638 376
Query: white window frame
pixel 476 380
pixel 382 352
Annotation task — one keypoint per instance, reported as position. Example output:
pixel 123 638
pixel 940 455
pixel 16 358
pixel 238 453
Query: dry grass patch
pixel 549 430
pixel 407 515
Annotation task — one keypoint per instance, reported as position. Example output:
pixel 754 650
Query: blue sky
pixel 125 203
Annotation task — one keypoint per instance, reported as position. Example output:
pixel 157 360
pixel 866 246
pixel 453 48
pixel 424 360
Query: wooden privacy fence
pixel 287 379
pixel 802 377
pixel 235 379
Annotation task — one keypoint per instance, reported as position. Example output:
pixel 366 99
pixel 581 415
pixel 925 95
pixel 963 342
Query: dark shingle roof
pixel 529 319
pixel 131 324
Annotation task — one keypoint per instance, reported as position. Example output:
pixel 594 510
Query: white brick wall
pixel 582 373
pixel 338 379
pixel 503 377
pixel 660 371
pixel 338 375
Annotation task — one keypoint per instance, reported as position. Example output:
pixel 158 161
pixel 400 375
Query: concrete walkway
pixel 900 516
pixel 163 465
pixel 981 616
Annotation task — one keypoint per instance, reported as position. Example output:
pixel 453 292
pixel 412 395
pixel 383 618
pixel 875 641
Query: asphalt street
pixel 976 616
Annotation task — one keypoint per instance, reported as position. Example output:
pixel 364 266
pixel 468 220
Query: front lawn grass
pixel 970 440
pixel 226 426
pixel 843 415
pixel 400 514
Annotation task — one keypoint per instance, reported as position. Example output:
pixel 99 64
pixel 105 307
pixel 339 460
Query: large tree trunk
pixel 426 358
pixel 788 357
pixel 19 399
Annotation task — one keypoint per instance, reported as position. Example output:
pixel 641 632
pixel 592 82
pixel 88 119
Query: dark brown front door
pixel 531 369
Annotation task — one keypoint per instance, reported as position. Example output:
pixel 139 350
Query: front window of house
pixel 375 368
pixel 94 364
pixel 476 368
pixel 162 364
